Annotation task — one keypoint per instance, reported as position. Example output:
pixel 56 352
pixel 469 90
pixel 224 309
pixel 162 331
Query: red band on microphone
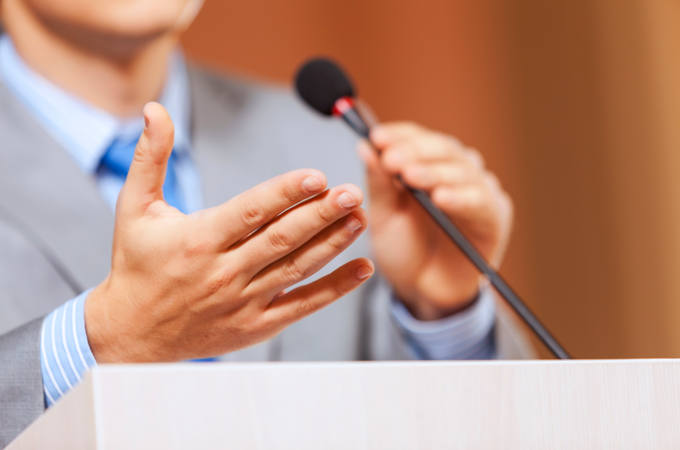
pixel 342 105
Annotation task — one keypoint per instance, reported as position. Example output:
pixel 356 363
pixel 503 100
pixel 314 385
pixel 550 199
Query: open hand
pixel 199 285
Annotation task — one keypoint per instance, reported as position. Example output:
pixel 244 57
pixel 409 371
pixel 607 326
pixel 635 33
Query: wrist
pixel 434 307
pixel 109 335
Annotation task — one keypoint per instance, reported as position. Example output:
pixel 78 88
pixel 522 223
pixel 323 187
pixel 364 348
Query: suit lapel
pixel 232 151
pixel 223 150
pixel 44 191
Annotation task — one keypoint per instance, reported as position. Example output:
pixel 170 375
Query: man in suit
pixel 201 266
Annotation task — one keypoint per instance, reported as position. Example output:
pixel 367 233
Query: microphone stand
pixel 345 108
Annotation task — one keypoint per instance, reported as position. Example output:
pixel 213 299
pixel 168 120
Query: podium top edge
pixel 193 366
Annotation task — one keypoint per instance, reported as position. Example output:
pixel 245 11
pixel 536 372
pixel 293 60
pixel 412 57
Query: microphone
pixel 323 85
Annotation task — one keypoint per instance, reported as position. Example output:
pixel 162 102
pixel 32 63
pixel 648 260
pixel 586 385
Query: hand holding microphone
pixel 431 276
pixel 201 285
pixel 428 190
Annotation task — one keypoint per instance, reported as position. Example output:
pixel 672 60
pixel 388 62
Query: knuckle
pixel 141 154
pixel 453 142
pixel 278 240
pixel 292 271
pixel 479 199
pixel 338 290
pixel 338 243
pixel 475 197
pixel 252 214
pixel 475 158
pixel 395 157
pixel 324 214
pixel 291 194
pixel 266 322
pixel 144 155
pixel 453 173
pixel 493 182
pixel 388 154
pixel 441 141
pixel 385 153
pixel 195 246
pixel 304 308
pixel 409 126
pixel 219 280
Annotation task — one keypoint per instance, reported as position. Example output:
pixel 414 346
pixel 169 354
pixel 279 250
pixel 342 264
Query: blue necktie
pixel 118 158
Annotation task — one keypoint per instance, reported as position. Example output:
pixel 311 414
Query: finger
pixel 307 299
pixel 308 259
pixel 297 226
pixel 472 203
pixel 380 183
pixel 368 154
pixel 425 149
pixel 389 133
pixel 144 183
pixel 474 157
pixel 245 213
pixel 430 176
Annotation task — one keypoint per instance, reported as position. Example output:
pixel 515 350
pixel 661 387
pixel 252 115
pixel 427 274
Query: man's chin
pixel 116 42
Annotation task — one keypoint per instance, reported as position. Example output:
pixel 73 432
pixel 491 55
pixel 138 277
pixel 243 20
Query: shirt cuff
pixel 469 334
pixel 65 353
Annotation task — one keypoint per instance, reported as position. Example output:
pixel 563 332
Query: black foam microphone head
pixel 321 82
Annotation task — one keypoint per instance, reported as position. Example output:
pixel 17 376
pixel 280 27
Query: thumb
pixel 383 194
pixel 144 183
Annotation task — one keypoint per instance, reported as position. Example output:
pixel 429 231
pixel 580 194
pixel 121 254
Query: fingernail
pixel 346 200
pixel 353 224
pixel 145 112
pixel 363 272
pixel 312 183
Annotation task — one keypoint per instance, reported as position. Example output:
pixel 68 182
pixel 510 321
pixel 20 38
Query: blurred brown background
pixel 573 103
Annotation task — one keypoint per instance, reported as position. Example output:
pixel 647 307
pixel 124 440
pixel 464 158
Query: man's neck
pixel 119 84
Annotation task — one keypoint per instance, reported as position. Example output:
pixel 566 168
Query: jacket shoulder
pixel 268 120
pixel 261 100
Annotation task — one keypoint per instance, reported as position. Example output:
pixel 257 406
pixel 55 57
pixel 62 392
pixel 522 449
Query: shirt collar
pixel 85 131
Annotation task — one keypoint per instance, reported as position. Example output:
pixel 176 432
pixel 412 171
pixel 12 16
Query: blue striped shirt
pixel 469 334
pixel 86 133
pixel 65 354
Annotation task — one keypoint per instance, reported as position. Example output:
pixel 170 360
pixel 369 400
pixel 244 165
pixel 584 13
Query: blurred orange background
pixel 574 105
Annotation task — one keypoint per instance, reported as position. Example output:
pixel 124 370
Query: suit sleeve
pixel 468 334
pixel 31 288
pixel 483 331
pixel 21 386
pixel 393 334
pixel 382 339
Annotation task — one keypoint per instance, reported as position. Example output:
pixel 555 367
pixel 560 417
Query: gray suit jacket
pixel 56 230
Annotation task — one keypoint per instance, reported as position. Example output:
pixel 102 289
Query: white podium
pixel 617 404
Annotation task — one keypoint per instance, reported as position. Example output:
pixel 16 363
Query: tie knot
pixel 118 157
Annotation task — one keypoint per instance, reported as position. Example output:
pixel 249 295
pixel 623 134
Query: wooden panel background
pixel 574 105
